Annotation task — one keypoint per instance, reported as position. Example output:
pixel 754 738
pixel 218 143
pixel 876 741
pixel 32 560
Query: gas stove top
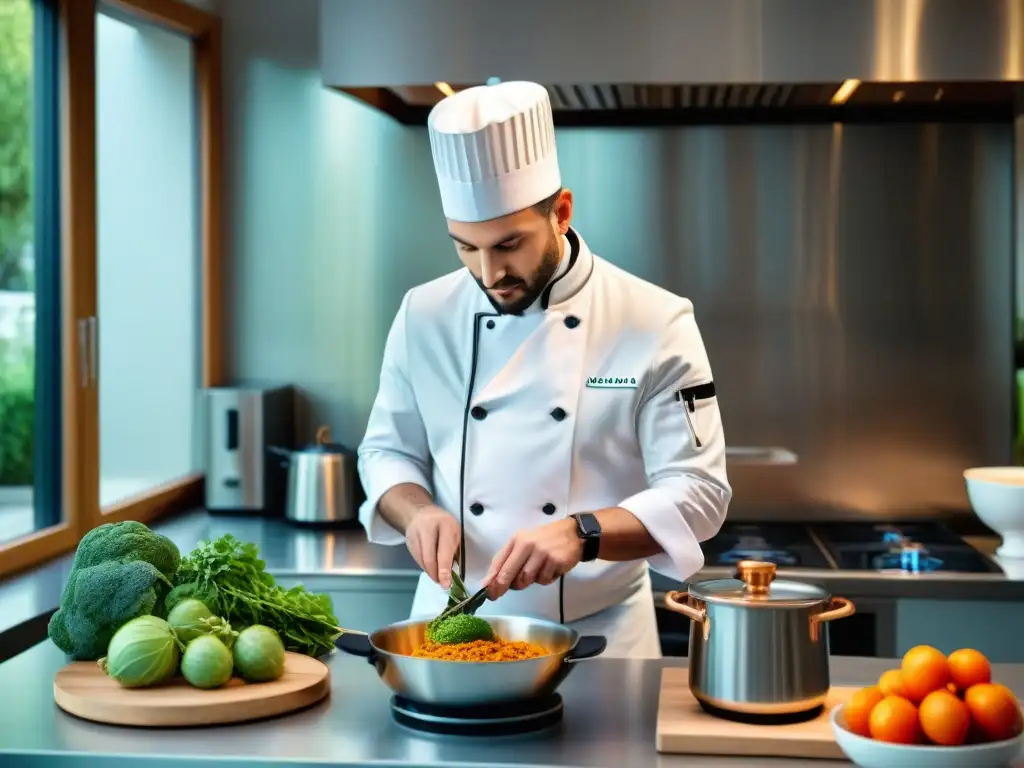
pixel 916 547
pixel 788 545
pixel 877 534
pixel 905 547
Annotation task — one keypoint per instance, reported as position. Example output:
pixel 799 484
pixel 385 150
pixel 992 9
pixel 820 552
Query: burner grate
pixel 908 547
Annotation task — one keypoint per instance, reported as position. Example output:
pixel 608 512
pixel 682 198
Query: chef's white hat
pixel 494 150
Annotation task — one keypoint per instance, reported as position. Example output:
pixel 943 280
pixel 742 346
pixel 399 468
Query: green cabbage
pixel 143 652
pixel 207 662
pixel 185 617
pixel 259 654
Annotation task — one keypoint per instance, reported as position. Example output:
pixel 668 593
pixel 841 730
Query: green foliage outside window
pixel 15 143
pixel 17 412
pixel 17 389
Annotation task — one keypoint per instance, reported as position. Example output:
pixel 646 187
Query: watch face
pixel 587 528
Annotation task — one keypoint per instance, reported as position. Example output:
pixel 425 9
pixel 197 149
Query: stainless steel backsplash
pixel 853 283
pixel 854 288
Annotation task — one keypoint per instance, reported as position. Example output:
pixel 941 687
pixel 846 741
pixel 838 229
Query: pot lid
pixel 755 584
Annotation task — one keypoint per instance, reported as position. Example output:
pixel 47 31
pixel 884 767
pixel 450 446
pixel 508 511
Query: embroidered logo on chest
pixel 612 382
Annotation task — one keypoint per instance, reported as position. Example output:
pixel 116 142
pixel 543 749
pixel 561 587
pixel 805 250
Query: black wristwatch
pixel 588 529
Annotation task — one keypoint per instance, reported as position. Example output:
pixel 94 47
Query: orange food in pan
pixel 481 650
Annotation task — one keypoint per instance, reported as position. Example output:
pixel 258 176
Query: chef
pixel 544 419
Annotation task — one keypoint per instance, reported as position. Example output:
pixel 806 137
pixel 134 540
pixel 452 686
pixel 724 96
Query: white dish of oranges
pixel 933 712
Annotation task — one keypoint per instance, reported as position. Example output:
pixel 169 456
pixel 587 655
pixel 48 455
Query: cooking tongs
pixel 459 599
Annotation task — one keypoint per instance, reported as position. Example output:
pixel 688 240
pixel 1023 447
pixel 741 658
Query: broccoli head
pixel 126 541
pixel 459 628
pixel 120 571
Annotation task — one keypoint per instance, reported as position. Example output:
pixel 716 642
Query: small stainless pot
pixel 759 646
pixel 461 683
pixel 322 482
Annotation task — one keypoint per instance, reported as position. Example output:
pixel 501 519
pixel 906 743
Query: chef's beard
pixel 534 284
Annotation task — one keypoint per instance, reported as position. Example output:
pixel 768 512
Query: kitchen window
pixel 30 352
pixel 109 264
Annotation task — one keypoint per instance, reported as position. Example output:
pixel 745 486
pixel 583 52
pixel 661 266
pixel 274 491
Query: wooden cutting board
pixel 83 689
pixel 685 728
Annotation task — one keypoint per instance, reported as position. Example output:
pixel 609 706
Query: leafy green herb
pixel 458 591
pixel 231 579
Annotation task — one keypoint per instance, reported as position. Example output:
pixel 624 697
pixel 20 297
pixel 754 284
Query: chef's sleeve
pixel 681 438
pixel 394 449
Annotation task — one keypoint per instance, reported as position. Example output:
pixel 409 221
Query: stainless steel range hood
pixel 615 61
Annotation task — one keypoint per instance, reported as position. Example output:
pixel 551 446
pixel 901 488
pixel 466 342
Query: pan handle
pixel 356 645
pixel 587 647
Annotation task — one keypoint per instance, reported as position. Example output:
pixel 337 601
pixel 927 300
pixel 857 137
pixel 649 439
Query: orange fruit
pixel 994 710
pixel 951 687
pixel 891 684
pixel 944 719
pixel 924 669
pixel 894 719
pixel 858 709
pixel 968 667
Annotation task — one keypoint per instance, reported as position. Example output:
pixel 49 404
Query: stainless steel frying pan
pixel 460 683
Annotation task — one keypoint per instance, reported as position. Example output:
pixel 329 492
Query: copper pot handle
pixel 678 602
pixel 838 608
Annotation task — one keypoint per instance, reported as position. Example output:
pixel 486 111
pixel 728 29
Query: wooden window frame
pixel 80 428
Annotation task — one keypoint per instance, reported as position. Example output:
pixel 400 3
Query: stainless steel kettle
pixel 322 482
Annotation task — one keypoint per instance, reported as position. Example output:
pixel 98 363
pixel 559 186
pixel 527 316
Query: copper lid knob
pixel 756 575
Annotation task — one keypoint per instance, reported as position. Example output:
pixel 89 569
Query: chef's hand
pixel 535 556
pixel 432 537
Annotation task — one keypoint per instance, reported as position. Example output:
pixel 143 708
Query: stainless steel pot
pixel 759 646
pixel 322 482
pixel 460 683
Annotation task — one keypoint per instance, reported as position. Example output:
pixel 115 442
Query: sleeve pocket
pixel 692 400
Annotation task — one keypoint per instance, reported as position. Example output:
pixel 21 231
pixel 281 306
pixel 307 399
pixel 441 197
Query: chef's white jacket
pixel 601 395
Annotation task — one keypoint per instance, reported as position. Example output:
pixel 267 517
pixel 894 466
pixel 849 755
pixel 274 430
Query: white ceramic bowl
pixel 869 753
pixel 997 497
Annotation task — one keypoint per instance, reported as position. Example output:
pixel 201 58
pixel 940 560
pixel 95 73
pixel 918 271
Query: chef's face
pixel 514 258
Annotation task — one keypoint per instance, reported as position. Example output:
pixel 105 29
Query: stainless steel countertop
pixel 298 552
pixel 609 722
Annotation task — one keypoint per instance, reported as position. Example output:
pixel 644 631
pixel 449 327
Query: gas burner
pixel 911 547
pixel 913 559
pixel 908 557
pixel 889 534
pixel 779 557
pixel 508 719
pixel 788 545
